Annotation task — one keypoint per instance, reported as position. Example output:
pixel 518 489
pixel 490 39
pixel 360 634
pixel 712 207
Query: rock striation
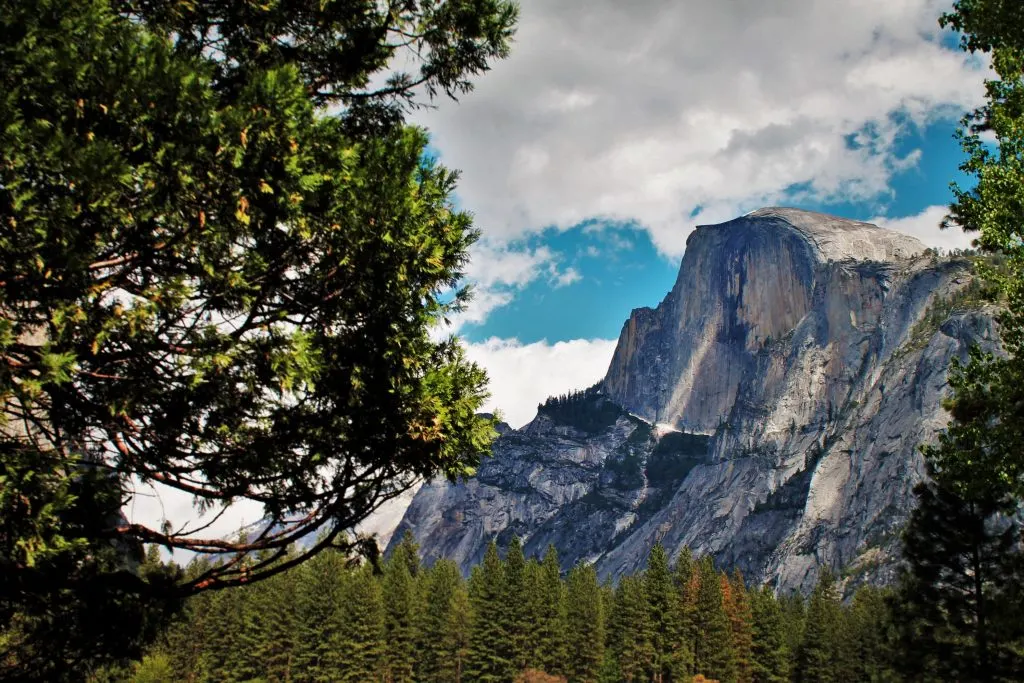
pixel 767 412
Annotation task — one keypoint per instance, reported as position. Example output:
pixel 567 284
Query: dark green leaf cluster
pixel 959 599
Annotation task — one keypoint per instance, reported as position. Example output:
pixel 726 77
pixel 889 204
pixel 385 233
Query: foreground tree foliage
pixel 980 455
pixel 469 629
pixel 960 600
pixel 221 255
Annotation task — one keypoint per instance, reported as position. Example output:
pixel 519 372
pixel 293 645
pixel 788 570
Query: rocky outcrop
pixel 767 412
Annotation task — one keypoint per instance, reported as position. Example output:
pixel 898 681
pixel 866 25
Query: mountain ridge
pixel 813 374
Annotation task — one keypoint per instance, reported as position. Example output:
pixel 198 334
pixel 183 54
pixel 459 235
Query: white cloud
pixel 567 277
pixel 498 270
pixel 989 137
pixel 925 227
pixel 484 301
pixel 498 263
pixel 523 375
pixel 652 111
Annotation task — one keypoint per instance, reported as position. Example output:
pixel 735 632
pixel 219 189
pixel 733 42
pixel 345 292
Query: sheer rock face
pixel 742 285
pixel 796 349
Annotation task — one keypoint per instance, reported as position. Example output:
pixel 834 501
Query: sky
pixel 614 129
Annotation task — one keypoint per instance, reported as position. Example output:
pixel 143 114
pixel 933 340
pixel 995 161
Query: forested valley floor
pixel 519 619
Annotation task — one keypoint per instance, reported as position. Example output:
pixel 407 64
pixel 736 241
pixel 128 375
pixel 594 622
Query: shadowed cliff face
pixel 792 373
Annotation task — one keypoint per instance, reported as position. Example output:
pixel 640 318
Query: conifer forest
pixel 520 619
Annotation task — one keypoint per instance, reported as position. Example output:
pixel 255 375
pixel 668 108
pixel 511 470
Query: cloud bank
pixel 679 113
pixel 523 375
pixel 925 227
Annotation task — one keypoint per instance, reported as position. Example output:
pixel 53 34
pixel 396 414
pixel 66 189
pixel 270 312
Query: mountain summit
pixel 767 412
pixel 741 285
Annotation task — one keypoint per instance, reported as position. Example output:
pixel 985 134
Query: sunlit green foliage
pixel 222 253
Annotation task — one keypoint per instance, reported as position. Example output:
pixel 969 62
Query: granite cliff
pixel 767 412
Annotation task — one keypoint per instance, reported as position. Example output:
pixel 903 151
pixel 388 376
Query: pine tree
pixel 401 650
pixel 610 666
pixel 549 615
pixel 958 606
pixel 517 599
pixel 401 610
pixel 362 648
pixel 794 621
pixel 408 551
pixel 631 630
pixel 186 637
pixel 222 656
pixel 241 664
pixel 820 647
pixel 769 654
pixel 489 658
pixel 440 644
pixel 687 581
pixel 870 636
pixel 321 594
pixel 274 627
pixel 458 638
pixel 442 579
pixel 586 626
pixel 663 606
pixel 713 652
pixel 845 666
pixel 737 607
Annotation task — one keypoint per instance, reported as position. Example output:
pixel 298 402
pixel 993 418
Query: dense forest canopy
pixel 518 619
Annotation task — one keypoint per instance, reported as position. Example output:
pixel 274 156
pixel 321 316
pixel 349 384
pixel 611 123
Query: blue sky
pixel 620 269
pixel 613 129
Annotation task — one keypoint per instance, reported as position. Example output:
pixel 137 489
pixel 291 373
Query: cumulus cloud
pixel 675 114
pixel 568 277
pixel 497 263
pixel 498 270
pixel 523 375
pixel 925 227
pixel 484 301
